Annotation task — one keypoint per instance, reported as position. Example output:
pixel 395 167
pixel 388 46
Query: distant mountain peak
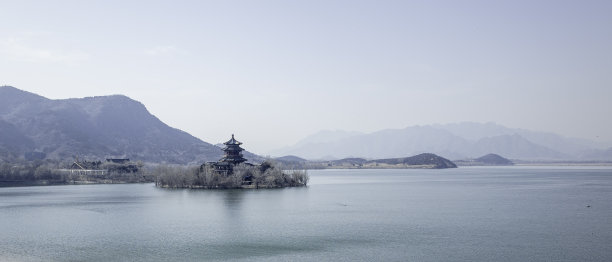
pixel 290 158
pixel 13 91
pixel 455 140
pixel 494 159
pixel 95 127
pixel 11 97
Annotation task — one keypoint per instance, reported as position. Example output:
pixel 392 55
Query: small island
pixel 231 171
pixel 486 160
pixel 420 161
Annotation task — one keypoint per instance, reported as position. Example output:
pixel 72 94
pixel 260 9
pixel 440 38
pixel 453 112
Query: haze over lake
pixel 286 70
pixel 201 94
pixel 464 214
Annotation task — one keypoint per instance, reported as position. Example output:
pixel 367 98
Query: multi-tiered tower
pixel 233 152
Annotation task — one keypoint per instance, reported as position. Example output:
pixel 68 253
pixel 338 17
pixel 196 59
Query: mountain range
pixel 93 128
pixel 454 141
pixel 118 126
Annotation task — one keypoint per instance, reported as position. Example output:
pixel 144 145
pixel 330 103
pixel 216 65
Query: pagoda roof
pixel 227 159
pixel 233 141
pixel 233 148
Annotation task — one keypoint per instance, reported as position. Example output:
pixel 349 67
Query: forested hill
pixel 421 159
pixel 424 160
pixel 93 128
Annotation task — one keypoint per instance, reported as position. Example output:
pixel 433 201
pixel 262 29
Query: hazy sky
pixel 273 72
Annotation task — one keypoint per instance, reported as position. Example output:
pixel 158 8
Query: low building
pixel 85 165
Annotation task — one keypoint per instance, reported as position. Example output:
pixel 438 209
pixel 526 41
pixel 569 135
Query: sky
pixel 273 72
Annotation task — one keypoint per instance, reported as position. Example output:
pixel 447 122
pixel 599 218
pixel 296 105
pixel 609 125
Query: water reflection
pixel 233 202
pixel 233 205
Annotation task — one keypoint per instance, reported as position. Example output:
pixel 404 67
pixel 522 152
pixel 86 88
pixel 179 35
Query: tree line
pixel 52 172
pixel 266 175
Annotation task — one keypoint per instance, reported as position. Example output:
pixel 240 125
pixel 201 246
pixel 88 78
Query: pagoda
pixel 233 152
pixel 233 156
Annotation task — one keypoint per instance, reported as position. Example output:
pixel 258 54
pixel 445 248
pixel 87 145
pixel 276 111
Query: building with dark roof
pixel 233 156
pixel 233 152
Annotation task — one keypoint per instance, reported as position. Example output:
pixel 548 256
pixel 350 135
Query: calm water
pixel 465 214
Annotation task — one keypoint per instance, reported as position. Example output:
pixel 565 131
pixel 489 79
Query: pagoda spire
pixel 233 152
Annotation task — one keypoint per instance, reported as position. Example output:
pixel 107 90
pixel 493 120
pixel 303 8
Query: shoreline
pixel 229 188
pixel 386 167
pixel 23 183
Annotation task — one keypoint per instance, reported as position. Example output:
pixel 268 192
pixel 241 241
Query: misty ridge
pixel 93 128
pixel 33 126
pixel 453 141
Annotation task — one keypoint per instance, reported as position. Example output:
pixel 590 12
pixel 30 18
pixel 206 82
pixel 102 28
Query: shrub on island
pixel 266 175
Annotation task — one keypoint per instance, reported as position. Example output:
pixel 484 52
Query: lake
pixel 463 214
